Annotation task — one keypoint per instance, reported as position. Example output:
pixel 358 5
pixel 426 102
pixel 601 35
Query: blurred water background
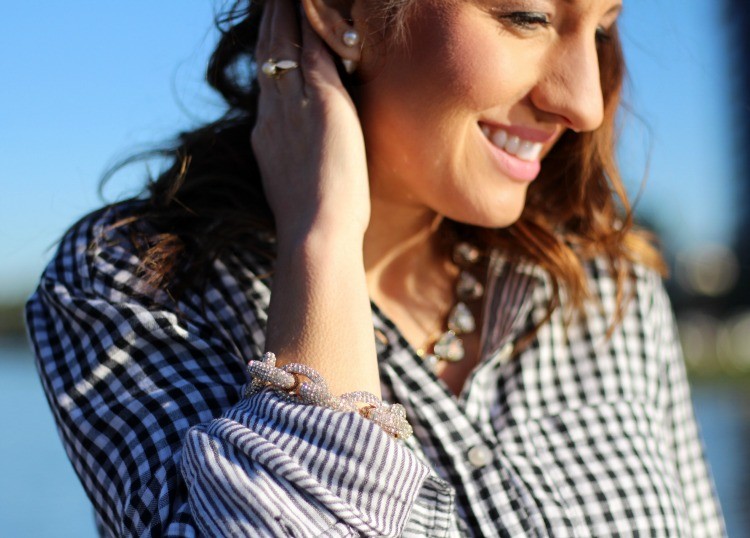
pixel 87 82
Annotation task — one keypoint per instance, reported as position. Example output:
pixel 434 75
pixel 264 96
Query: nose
pixel 569 86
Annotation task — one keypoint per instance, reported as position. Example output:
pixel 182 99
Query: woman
pixel 456 193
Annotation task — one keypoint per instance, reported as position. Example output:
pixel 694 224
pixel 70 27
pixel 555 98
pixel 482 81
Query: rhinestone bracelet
pixel 288 381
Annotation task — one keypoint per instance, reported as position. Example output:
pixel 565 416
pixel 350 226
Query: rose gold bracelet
pixel 289 381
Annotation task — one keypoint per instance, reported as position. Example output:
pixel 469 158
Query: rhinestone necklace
pixel 448 345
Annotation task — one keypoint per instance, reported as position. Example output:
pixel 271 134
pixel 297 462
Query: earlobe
pixel 332 20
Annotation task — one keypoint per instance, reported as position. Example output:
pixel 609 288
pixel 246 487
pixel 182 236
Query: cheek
pixel 456 62
pixel 471 68
pixel 420 109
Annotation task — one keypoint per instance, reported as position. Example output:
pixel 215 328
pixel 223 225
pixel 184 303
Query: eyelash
pixel 530 20
pixel 603 35
pixel 525 20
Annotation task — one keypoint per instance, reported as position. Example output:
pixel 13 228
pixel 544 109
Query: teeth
pixel 529 151
pixel 523 149
pixel 512 145
pixel 499 138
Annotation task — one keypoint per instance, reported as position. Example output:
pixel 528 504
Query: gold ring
pixel 276 69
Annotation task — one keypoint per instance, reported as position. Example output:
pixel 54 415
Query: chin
pixel 501 216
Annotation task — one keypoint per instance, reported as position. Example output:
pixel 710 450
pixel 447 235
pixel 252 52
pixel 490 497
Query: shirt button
pixel 479 456
pixel 381 341
pixel 506 352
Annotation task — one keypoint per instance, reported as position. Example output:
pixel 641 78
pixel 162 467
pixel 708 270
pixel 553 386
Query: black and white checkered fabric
pixel 577 434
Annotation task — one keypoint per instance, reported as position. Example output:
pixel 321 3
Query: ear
pixel 332 19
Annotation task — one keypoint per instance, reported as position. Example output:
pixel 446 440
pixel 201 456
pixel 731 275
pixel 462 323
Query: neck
pixel 397 235
pixel 402 256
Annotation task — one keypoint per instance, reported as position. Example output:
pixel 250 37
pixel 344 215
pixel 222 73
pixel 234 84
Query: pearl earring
pixel 350 66
pixel 350 38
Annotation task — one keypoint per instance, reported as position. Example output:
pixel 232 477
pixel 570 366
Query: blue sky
pixel 86 82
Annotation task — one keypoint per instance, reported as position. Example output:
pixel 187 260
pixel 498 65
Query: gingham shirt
pixel 578 434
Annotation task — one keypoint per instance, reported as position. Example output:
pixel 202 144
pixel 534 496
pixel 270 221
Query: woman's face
pixel 458 116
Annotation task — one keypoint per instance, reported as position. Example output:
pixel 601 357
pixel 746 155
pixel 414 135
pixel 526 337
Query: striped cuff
pixel 305 468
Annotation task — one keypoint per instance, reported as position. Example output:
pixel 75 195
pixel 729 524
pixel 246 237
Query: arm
pixel 310 151
pixel 127 380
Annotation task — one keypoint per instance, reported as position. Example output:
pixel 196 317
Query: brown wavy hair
pixel 211 200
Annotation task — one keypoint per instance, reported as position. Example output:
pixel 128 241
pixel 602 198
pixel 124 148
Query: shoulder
pixel 98 274
pixel 632 319
pixel 619 340
pixel 98 248
pixel 642 287
pixel 640 291
pixel 637 303
pixel 104 254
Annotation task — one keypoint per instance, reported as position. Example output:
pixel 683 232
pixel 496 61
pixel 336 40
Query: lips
pixel 526 150
pixel 516 158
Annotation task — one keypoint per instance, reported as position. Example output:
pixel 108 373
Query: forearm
pixel 320 311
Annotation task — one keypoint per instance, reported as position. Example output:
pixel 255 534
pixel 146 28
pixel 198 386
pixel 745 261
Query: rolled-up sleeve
pixel 128 374
pixel 275 468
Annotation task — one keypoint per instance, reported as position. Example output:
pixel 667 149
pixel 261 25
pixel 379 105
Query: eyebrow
pixel 617 8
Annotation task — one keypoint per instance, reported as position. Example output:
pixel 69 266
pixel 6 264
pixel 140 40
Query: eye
pixel 603 35
pixel 525 20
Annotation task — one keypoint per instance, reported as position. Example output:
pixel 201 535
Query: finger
pixel 280 42
pixel 262 48
pixel 285 41
pixel 318 65
pixel 264 33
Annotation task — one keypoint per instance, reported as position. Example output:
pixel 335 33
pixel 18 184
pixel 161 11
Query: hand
pixel 310 149
pixel 307 139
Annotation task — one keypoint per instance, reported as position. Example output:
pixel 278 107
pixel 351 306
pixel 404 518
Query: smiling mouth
pixel 526 150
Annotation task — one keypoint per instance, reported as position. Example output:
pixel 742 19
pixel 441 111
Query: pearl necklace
pixel 448 345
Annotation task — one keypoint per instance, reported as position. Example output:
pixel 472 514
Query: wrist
pixel 336 222
pixel 319 241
